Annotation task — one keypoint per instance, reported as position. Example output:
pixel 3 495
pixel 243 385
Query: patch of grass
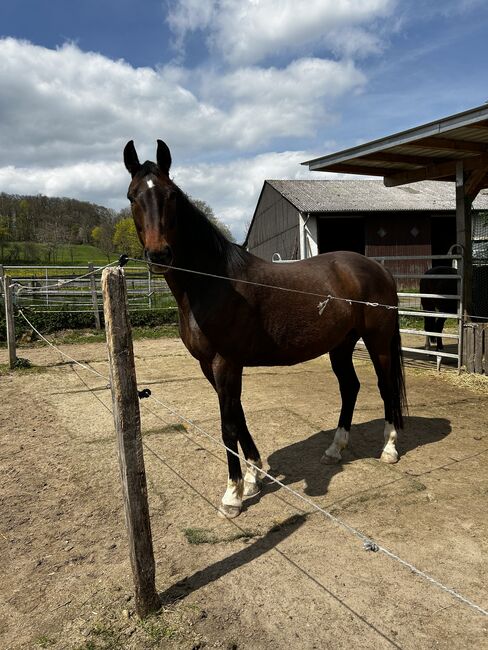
pixel 156 629
pixel 169 428
pixel 25 367
pixel 204 536
pixel 45 642
pixel 158 332
pixel 104 637
pixel 78 336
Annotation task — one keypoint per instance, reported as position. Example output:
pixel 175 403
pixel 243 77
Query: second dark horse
pixel 264 314
pixel 438 287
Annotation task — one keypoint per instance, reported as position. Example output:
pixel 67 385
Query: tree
pixel 103 236
pixel 4 234
pixel 125 238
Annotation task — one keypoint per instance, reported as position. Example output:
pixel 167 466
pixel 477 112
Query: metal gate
pixel 408 271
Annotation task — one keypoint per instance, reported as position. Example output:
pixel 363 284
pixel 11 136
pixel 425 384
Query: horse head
pixel 153 196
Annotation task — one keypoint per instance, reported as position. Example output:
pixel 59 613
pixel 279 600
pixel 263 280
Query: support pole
pixel 93 287
pixel 464 236
pixel 125 402
pixel 10 321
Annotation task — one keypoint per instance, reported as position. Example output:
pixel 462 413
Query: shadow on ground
pixel 217 570
pixel 301 461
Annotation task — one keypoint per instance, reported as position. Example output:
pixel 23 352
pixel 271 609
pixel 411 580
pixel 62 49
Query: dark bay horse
pixel 244 320
pixel 439 286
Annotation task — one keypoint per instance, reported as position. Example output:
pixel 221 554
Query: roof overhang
pixel 438 150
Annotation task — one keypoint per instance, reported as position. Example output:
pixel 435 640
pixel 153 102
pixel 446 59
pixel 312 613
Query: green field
pixel 19 253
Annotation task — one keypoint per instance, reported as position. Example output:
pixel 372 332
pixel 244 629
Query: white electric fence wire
pixel 267 286
pixel 368 544
pixel 321 306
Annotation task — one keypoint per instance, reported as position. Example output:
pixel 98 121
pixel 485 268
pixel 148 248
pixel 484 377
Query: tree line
pixel 27 221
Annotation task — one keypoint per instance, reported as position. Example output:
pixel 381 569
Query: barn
pixel 301 218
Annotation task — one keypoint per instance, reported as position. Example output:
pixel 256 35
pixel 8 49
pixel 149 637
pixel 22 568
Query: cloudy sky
pixel 241 90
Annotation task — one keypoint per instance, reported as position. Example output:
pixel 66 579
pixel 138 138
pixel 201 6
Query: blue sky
pixel 241 90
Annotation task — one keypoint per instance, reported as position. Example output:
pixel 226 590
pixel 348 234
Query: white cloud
pixel 67 114
pixel 65 104
pixel 97 182
pixel 248 31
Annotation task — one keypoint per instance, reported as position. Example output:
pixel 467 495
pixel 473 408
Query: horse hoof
pixel 389 457
pixel 251 489
pixel 330 460
pixel 229 512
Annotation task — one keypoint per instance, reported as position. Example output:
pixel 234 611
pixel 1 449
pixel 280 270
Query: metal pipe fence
pixel 411 308
pixel 77 289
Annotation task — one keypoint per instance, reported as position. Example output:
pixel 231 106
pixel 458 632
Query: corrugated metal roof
pixel 371 196
pixel 426 152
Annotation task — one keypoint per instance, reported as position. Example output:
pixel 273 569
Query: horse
pixel 446 286
pixel 238 310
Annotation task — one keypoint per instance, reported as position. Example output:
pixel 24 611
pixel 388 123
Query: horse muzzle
pixel 159 259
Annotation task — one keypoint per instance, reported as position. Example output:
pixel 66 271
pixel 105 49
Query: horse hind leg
pixel 343 367
pixel 439 327
pixel 390 383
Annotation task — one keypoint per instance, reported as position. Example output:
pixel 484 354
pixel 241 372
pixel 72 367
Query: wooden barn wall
pixel 400 234
pixel 275 227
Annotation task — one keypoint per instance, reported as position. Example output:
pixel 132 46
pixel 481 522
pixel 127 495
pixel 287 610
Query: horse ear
pixel 130 158
pixel 163 157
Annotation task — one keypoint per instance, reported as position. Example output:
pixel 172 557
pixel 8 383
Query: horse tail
pixel 397 376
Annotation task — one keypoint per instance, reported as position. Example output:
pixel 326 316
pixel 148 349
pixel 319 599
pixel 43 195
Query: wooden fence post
pixel 125 402
pixel 93 287
pixel 10 321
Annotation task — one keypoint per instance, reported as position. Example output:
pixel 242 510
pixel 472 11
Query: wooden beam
pixel 444 170
pixel 476 181
pixel 479 125
pixel 391 157
pixel 434 142
pixel 463 237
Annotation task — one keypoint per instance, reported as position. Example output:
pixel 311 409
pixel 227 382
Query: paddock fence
pixel 408 271
pixel 77 289
pixel 130 443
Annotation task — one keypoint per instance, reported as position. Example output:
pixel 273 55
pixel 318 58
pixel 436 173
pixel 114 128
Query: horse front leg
pixel 228 384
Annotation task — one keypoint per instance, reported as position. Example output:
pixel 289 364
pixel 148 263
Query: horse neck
pixel 200 247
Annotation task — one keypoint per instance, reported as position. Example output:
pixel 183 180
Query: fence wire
pixel 368 544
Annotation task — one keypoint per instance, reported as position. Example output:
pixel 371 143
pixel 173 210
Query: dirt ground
pixel 281 575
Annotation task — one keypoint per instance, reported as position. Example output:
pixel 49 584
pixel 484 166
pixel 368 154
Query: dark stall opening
pixel 343 234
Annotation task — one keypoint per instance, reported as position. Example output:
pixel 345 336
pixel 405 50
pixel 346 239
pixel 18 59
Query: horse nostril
pixel 163 256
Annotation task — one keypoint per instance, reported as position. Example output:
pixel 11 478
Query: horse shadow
pixel 301 461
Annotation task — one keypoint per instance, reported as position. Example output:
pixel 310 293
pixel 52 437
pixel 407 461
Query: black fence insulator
pixel 144 393
pixel 123 259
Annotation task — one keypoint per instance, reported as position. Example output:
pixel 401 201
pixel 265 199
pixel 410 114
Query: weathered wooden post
pixel 93 287
pixel 10 321
pixel 125 402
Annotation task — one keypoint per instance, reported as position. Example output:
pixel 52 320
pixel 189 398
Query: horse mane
pixel 206 243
